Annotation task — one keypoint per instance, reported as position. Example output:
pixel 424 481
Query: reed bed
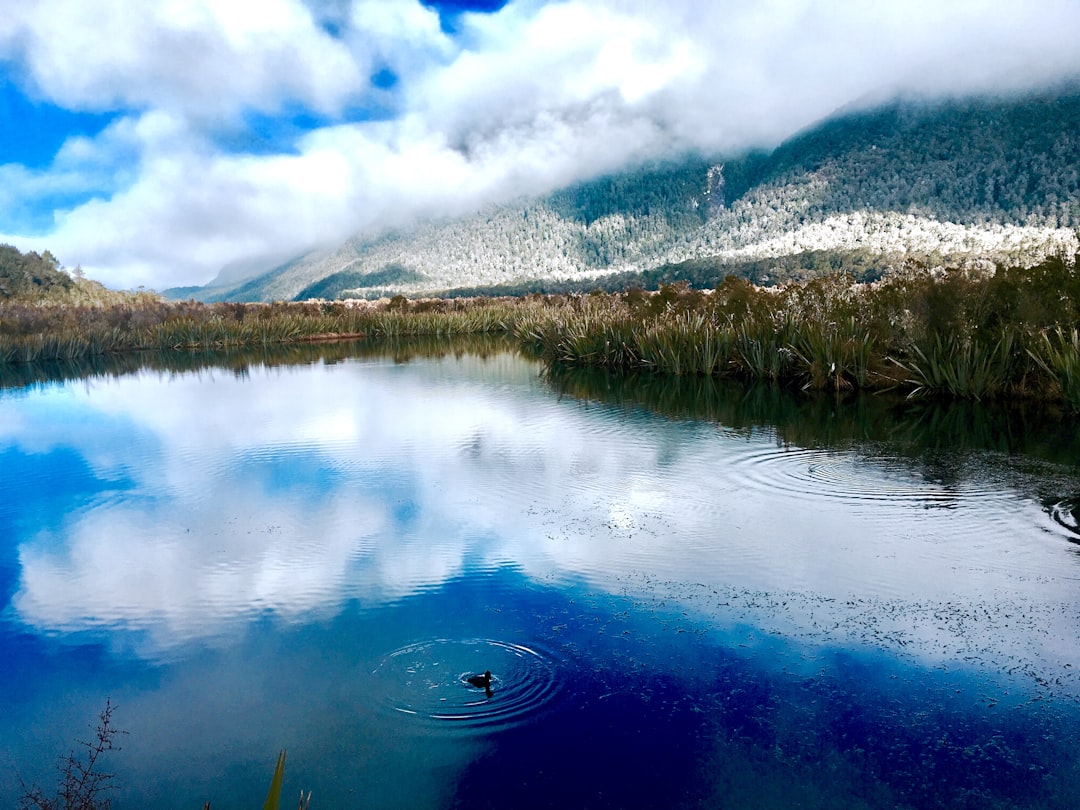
pixel 1057 353
pixel 961 333
pixel 37 334
pixel 976 335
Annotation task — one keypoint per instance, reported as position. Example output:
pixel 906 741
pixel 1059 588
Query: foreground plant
pixel 83 783
pixel 1058 353
pixel 273 798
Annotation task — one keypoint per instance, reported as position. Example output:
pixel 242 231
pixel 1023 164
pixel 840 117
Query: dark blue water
pixel 677 612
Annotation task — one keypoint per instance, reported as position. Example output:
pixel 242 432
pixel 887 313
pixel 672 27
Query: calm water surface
pixel 755 603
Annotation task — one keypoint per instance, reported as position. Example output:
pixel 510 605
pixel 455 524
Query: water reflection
pixel 294 490
pixel 931 446
pixel 370 530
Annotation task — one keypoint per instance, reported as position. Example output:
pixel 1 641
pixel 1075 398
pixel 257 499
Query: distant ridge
pixel 963 181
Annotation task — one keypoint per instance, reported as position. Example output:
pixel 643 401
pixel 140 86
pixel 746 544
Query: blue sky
pixel 155 144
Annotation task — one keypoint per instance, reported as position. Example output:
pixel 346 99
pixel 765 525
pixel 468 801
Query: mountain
pixel 992 180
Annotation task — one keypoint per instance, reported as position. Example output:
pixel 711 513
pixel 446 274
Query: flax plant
pixel 959 366
pixel 688 343
pixel 1057 352
pixel 763 348
pixel 831 355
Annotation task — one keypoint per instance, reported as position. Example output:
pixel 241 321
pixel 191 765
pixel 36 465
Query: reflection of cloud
pixel 175 570
pixel 296 490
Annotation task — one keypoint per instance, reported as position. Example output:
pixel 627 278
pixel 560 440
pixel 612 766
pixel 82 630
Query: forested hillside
pixel 978 180
pixel 30 276
pixel 35 279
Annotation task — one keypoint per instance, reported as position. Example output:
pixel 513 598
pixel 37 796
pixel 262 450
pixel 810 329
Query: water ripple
pixel 819 473
pixel 1066 514
pixel 427 682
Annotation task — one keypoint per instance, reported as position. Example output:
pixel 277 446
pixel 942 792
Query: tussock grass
pixel 933 333
pixel 51 333
pixel 1057 352
pixel 961 333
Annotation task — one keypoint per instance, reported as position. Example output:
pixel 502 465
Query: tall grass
pixel 956 333
pixel 960 367
pixel 1057 352
pixel 30 334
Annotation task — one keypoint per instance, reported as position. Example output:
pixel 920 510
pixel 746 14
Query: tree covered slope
pixel 994 180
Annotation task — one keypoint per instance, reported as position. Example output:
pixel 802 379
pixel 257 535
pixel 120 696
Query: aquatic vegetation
pixel 273 798
pixel 963 333
pixel 967 332
pixel 688 343
pixel 764 349
pixel 1058 353
pixel 834 355
pixel 959 367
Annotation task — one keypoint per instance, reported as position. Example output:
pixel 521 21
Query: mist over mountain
pixel 993 180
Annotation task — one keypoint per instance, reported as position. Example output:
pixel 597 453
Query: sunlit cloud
pixel 202 59
pixel 246 135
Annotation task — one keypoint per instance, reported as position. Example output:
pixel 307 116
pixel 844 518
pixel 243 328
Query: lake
pixel 687 594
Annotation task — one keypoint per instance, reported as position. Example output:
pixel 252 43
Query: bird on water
pixel 481 681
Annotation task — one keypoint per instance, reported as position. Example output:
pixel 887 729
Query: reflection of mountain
pixel 992 179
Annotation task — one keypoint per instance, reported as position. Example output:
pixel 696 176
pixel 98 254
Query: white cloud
pixel 401 33
pixel 519 101
pixel 203 59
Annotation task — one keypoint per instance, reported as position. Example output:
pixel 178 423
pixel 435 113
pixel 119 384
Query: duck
pixel 481 681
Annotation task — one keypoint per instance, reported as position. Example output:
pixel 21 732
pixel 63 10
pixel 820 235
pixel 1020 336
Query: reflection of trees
pixel 241 360
pixel 1031 449
pixel 901 426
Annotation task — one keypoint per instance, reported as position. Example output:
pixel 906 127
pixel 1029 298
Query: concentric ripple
pixel 428 681
pixel 819 473
pixel 815 473
pixel 1067 515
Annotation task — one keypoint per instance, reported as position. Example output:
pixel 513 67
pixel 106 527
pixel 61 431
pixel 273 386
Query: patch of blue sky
pixel 36 183
pixel 450 11
pixel 258 133
pixel 35 214
pixel 31 133
pixel 384 79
